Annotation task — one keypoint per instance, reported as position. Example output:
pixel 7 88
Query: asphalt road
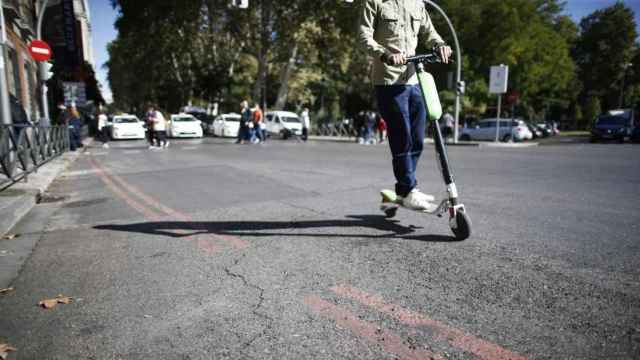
pixel 209 250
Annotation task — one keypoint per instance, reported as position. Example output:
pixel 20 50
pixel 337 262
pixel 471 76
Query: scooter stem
pixel 441 151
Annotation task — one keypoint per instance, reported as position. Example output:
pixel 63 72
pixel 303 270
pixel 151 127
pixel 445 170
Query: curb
pixel 429 141
pixel 332 138
pixel 19 199
pixel 510 145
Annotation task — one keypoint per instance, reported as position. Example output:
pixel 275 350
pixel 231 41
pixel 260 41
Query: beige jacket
pixel 392 27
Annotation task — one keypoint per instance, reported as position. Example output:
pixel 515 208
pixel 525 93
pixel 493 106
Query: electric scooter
pixel 458 219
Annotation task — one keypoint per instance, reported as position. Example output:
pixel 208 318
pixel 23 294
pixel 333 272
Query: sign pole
pixel 513 118
pixel 498 120
pixel 5 107
pixel 498 84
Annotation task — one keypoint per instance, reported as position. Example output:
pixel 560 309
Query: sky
pixel 103 16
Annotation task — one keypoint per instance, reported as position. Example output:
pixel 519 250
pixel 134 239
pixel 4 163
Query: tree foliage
pixel 305 52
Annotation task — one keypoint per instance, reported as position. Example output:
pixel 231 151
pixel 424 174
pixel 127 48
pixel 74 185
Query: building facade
pixel 21 69
pixel 67 29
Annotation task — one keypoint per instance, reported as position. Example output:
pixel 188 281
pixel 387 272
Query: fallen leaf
pixel 51 303
pixel 48 303
pixel 64 299
pixel 2 291
pixel 10 236
pixel 5 349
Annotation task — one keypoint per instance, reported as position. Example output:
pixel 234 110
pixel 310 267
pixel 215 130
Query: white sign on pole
pixel 499 79
pixel 74 93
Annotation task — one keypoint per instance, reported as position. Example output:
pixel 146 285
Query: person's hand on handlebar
pixel 394 59
pixel 445 53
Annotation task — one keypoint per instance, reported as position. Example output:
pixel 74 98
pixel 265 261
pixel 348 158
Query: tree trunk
pixel 259 89
pixel 283 92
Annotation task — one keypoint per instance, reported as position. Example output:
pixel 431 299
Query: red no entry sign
pixel 40 50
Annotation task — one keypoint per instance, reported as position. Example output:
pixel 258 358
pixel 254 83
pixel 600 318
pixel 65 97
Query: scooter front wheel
pixel 462 231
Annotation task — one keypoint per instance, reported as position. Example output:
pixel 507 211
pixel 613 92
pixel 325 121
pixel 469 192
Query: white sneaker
pixel 417 200
pixel 166 144
pixel 105 145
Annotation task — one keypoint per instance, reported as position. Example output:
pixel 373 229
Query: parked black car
pixel 615 125
pixel 635 135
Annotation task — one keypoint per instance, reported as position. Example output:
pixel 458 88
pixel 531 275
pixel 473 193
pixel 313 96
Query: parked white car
pixel 126 127
pixel 184 125
pixel 486 130
pixel 283 124
pixel 226 125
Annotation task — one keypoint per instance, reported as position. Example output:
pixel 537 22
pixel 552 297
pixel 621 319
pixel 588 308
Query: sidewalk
pixel 430 141
pixel 19 199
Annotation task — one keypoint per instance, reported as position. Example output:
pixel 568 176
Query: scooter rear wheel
pixel 390 213
pixel 463 228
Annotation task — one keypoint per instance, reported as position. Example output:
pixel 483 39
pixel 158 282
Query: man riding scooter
pixel 389 30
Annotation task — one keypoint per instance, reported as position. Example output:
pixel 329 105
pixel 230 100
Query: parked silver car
pixel 486 130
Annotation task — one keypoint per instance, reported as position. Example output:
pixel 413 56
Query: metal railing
pixel 339 129
pixel 24 148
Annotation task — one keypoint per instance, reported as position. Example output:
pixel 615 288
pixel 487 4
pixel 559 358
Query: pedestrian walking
pixel 103 129
pixel 370 123
pixel 63 114
pixel 306 124
pixel 448 123
pixel 359 124
pixel 258 123
pixel 150 120
pixel 245 120
pixel 74 125
pixel 382 129
pixel 160 129
pixel 389 30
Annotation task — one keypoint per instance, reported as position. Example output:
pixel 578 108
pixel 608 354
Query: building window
pixel 13 75
pixel 31 105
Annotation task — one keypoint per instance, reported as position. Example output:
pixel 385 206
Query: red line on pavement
pixel 149 214
pixel 389 341
pixel 481 348
pixel 206 245
pixel 232 240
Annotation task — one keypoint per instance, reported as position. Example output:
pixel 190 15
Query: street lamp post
pixel 458 68
pixel 41 66
pixel 4 90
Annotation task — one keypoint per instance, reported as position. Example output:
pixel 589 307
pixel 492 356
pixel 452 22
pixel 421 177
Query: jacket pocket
pixel 389 19
pixel 416 23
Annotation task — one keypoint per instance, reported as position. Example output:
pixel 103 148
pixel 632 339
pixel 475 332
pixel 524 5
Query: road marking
pixel 80 173
pixel 232 240
pixel 481 348
pixel 149 214
pixel 204 241
pixel 388 340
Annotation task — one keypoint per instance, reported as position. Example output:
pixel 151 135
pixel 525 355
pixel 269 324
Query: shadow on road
pixel 181 229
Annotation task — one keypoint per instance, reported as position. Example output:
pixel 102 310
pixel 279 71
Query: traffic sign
pixel 40 50
pixel 499 79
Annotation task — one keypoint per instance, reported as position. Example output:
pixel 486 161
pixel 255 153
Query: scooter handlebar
pixel 431 58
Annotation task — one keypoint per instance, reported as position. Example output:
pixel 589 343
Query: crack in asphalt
pixel 257 306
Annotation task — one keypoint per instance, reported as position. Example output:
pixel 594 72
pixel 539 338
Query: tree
pixel 605 47
pixel 532 37
pixel 591 110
